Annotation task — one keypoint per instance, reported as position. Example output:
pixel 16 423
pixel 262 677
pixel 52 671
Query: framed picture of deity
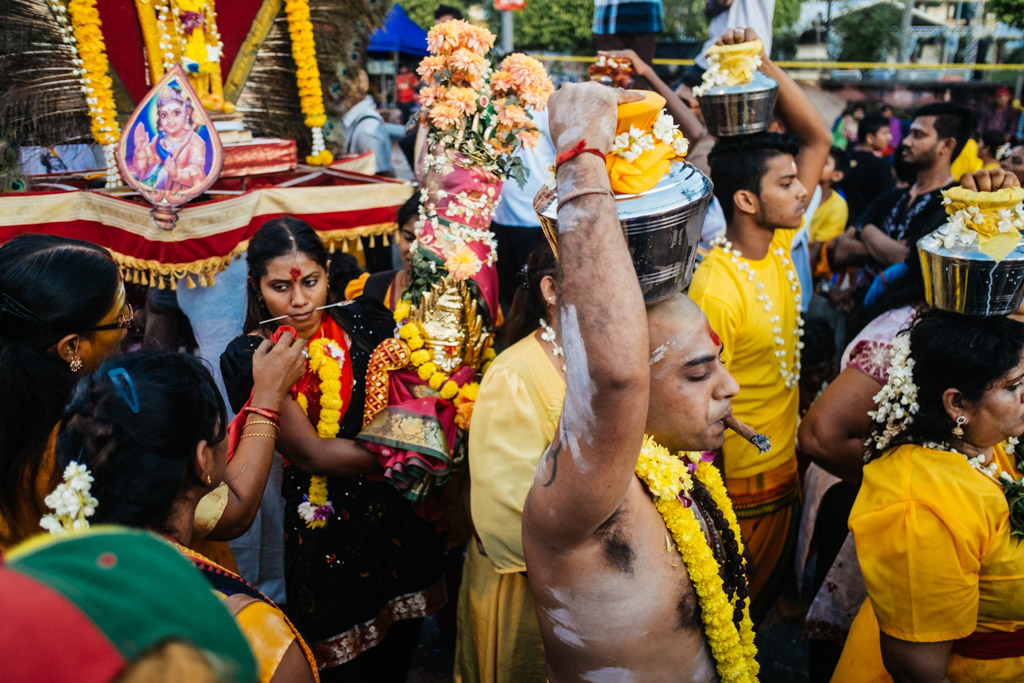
pixel 169 151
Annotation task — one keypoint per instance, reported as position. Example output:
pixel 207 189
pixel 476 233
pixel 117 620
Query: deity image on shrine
pixel 167 152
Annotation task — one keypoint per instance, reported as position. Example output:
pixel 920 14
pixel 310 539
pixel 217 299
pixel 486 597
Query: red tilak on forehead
pixel 715 339
pixel 295 273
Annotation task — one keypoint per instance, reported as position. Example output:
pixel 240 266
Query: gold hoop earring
pixel 958 429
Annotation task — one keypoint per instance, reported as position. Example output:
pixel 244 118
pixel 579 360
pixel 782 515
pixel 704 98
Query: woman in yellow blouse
pixel 514 420
pixel 936 540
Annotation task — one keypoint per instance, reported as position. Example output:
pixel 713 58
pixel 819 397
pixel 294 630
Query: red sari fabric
pixel 308 385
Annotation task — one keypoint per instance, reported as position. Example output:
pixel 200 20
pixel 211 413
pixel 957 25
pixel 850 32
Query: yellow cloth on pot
pixel 996 217
pixel 644 172
pixel 737 61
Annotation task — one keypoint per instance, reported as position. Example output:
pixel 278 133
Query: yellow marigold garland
pixel 421 360
pixel 324 355
pixel 307 75
pixel 667 477
pixel 87 40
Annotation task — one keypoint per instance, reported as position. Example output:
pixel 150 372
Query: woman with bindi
pixel 361 568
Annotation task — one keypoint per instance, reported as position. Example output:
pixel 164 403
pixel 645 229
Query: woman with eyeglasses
pixel 62 312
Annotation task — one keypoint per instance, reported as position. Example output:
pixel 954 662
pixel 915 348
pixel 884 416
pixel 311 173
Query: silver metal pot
pixel 662 228
pixel 739 109
pixel 965 280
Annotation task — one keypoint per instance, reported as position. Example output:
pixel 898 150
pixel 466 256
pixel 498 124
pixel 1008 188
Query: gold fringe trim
pixel 201 273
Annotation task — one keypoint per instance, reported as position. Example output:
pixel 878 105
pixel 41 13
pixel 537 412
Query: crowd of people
pixel 612 523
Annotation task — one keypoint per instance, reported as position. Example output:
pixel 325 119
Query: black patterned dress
pixel 376 562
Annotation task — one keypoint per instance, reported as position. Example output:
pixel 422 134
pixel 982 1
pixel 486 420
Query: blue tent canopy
pixel 399 34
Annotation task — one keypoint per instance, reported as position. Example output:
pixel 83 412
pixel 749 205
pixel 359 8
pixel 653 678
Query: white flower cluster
pixel 318 141
pixel 668 132
pixel 715 76
pixel 71 502
pixel 897 401
pixel 311 513
pixel 472 206
pixel 631 144
pixel 962 227
pixel 113 173
pixel 634 142
pixel 550 179
pixel 163 13
pixel 453 234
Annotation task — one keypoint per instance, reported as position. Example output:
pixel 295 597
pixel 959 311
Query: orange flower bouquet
pixel 473 110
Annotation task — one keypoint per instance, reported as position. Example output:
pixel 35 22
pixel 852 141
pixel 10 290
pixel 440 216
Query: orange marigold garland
pixel 307 75
pixel 85 38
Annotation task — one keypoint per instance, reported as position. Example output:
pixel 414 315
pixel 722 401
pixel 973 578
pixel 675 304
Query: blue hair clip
pixel 126 387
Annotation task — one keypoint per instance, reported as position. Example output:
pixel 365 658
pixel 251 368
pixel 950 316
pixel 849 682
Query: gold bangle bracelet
pixel 263 422
pixel 269 436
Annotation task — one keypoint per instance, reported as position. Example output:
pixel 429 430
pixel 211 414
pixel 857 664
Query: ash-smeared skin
pixel 611 602
pixel 578 407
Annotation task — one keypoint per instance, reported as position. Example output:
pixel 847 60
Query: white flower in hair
pixel 71 502
pixel 897 401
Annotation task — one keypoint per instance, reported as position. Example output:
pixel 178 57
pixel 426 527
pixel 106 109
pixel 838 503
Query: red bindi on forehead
pixel 295 273
pixel 715 339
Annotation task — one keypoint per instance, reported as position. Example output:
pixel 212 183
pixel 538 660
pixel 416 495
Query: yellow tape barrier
pixel 818 65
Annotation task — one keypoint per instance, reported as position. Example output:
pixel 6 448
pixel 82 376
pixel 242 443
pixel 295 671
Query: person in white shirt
pixel 364 126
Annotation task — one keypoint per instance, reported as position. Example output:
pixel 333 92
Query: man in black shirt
pixel 898 218
pixel 869 175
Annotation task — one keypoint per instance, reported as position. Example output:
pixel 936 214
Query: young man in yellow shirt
pixel 750 292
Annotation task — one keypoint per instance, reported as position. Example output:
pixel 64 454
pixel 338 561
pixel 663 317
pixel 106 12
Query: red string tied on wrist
pixel 576 150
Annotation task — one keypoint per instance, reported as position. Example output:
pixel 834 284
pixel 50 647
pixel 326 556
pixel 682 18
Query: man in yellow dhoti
pixel 748 288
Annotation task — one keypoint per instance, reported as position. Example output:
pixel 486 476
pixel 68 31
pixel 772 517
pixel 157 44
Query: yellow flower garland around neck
pixel 667 476
pixel 307 74
pixel 323 360
pixel 86 40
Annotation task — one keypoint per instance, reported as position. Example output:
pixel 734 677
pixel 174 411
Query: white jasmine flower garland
pixel 897 401
pixel 71 502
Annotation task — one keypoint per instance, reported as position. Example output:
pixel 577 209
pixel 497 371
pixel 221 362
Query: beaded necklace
pixel 551 337
pixel 990 470
pixel 790 375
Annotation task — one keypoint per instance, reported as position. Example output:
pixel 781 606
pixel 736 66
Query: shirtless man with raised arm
pixel 613 597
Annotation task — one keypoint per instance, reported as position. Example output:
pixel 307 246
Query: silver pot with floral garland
pixel 962 279
pixel 739 109
pixel 662 228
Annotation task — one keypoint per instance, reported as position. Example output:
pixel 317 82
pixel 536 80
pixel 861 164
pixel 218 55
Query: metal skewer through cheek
pixel 762 442
pixel 318 308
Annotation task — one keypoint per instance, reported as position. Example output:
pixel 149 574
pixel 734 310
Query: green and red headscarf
pixel 82 607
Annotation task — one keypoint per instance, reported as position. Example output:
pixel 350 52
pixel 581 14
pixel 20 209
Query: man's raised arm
pixel 585 473
pixel 797 112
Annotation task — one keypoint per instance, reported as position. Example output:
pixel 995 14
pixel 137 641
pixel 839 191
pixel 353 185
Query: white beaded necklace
pixel 549 336
pixel 791 376
pixel 990 470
